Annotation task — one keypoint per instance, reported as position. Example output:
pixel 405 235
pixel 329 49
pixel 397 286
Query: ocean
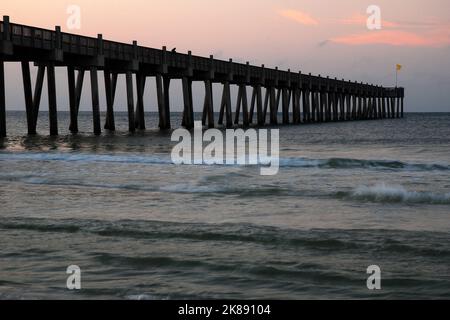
pixel 348 195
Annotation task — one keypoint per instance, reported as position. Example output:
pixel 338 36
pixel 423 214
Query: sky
pixel 326 37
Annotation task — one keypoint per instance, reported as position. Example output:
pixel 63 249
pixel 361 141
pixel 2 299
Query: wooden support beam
pixel 402 106
pixel 222 107
pixel 342 106
pixel 329 104
pixel 140 113
pixel 345 97
pixel 74 113
pixel 161 102
pixel 318 107
pixel 374 112
pixel 110 92
pixel 38 94
pixel 336 96
pixel 225 106
pixel 191 103
pixel 166 82
pixel 130 101
pixel 266 103
pixel 369 115
pixel 211 121
pixel 388 107
pixel 321 105
pixel 244 101
pixel 314 111
pixel 2 101
pixel 309 105
pixel 334 108
pixel 274 103
pixel 52 102
pixel 392 107
pixel 296 112
pixel 376 106
pixel 208 107
pixel 293 96
pixel 359 111
pixel 285 105
pixel 72 94
pixel 312 104
pixel 228 107
pixel 188 114
pixel 306 106
pixel 252 104
pixel 359 106
pixel 237 113
pixel 354 106
pixel 365 107
pixel 379 104
pixel 26 76
pixel 380 101
pixel 259 106
pixel 371 107
pixel 95 101
pixel 337 106
pixel 349 107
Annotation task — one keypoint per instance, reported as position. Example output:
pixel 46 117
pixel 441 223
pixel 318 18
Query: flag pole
pixel 396 77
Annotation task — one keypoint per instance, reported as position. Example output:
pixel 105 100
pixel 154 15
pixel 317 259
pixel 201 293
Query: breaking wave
pixel 395 194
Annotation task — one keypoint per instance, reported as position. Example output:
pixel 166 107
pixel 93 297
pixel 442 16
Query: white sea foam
pixel 391 193
pixel 141 297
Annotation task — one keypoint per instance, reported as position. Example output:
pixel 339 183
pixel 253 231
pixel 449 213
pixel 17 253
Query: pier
pixel 300 98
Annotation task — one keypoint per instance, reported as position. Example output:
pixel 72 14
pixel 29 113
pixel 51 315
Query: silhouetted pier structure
pixel 303 98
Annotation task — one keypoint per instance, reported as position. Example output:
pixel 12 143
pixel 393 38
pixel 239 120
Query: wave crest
pixel 396 194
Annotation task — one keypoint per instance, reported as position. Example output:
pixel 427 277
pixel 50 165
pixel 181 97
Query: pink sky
pixel 319 36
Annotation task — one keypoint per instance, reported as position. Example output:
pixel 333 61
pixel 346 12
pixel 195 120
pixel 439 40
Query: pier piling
pixel 52 101
pixel 130 101
pixel 2 101
pixel 95 101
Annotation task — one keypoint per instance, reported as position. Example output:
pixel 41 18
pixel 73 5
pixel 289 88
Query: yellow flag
pixel 399 67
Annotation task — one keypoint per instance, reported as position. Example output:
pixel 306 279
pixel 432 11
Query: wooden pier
pixel 303 98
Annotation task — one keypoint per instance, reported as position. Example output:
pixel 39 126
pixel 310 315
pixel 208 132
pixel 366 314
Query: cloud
pixel 299 17
pixel 435 38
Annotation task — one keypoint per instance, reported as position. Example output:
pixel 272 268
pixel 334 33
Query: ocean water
pixel 348 195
